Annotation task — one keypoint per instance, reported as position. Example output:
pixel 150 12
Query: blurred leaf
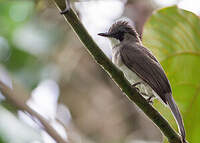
pixel 13 14
pixel 173 35
pixel 25 66
pixel 26 40
pixel 2 140
pixel 19 59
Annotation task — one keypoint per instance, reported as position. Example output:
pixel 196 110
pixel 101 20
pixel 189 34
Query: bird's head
pixel 119 30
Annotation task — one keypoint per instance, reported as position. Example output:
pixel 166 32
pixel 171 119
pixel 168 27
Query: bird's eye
pixel 119 35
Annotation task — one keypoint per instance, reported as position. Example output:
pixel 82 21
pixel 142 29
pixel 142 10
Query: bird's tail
pixel 176 114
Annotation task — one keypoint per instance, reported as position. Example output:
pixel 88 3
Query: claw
pixel 150 100
pixel 68 7
pixel 64 11
pixel 138 90
pixel 135 84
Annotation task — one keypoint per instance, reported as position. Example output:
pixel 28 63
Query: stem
pixel 11 96
pixel 116 75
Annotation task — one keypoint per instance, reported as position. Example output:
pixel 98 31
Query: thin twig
pixel 116 75
pixel 11 96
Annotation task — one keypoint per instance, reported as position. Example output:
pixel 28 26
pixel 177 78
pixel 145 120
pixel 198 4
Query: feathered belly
pixel 131 76
pixel 134 78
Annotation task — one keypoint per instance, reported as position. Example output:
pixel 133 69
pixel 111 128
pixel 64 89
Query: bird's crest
pixel 122 26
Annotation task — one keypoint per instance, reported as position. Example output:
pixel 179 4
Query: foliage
pixel 26 66
pixel 173 36
pixel 25 42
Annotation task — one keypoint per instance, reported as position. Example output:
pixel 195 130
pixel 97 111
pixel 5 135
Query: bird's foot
pixel 68 7
pixel 135 84
pixel 150 100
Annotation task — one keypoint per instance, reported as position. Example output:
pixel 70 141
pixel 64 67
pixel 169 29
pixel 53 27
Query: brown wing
pixel 140 60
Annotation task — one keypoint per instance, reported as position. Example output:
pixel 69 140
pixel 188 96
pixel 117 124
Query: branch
pixel 116 75
pixel 12 96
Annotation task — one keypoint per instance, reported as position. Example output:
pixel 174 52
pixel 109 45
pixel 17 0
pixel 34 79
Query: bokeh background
pixel 41 54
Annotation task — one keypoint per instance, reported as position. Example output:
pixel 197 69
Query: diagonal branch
pixel 116 75
pixel 11 96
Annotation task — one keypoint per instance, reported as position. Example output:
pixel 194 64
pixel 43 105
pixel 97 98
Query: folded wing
pixel 140 60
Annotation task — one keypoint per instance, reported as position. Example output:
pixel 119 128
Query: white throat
pixel 114 42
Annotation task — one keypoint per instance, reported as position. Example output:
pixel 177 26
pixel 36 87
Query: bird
pixel 141 68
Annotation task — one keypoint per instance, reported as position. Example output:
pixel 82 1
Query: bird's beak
pixel 105 34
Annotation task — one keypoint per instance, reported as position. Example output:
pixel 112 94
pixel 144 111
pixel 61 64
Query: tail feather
pixel 176 114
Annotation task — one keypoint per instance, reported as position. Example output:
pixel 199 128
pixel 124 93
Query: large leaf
pixel 173 35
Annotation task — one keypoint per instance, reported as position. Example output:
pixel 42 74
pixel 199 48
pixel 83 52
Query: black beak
pixel 105 34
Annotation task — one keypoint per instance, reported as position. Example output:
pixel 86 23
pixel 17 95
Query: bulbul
pixel 141 67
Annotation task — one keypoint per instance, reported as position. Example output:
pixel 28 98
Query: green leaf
pixel 13 14
pixel 173 35
pixel 24 66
